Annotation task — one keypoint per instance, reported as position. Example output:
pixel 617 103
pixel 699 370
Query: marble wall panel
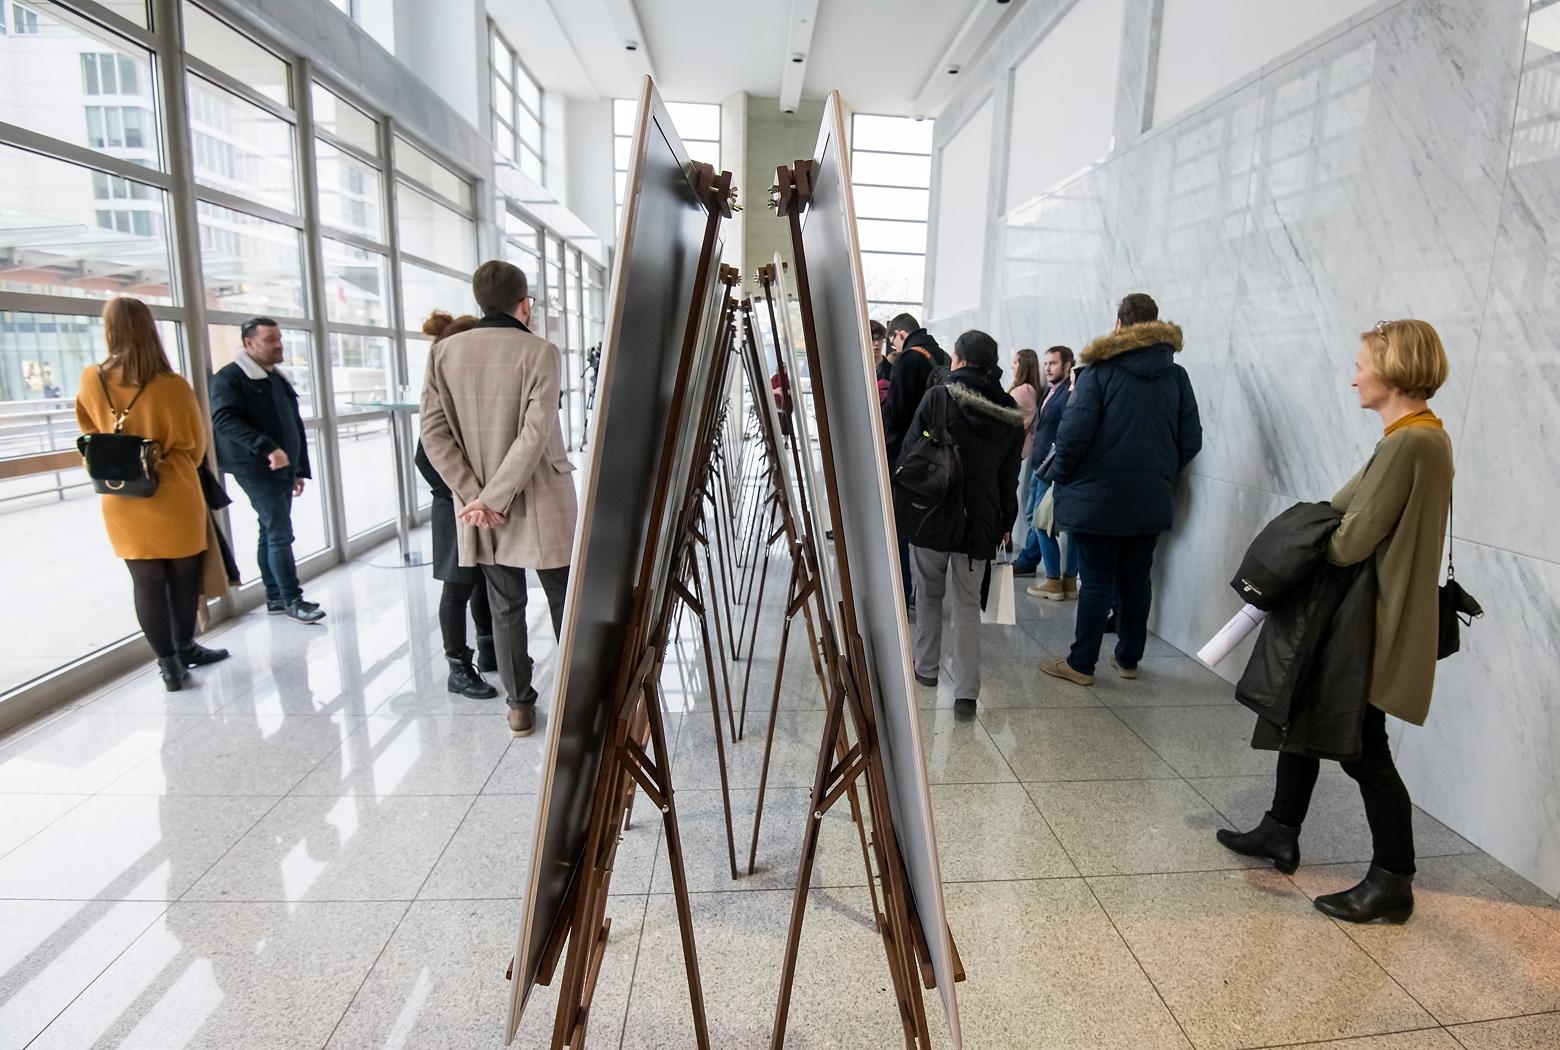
pixel 1485 761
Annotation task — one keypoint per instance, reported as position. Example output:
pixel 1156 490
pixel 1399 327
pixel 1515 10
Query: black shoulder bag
pixel 1458 608
pixel 120 464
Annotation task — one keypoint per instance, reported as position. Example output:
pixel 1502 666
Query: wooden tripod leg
pixel 841 748
pixel 700 611
pixel 760 550
pixel 725 576
pixel 720 645
pixel 804 868
pixel 774 710
pixel 674 856
pixel 758 611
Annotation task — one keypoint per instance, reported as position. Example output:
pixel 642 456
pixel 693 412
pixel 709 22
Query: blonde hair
pixel 1408 355
pixel 135 349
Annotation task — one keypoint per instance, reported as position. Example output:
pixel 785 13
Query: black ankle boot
pixel 1383 895
pixel 465 680
pixel 1279 843
pixel 487 660
pixel 174 676
pixel 193 654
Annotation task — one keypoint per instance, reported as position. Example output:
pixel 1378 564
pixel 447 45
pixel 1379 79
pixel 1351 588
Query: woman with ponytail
pixel 463 586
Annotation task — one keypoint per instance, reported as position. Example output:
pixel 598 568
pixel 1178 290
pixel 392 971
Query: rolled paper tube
pixel 1222 644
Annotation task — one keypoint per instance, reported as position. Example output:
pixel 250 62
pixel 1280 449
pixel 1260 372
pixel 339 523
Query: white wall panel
pixel 1207 45
pixel 1064 100
pixel 963 191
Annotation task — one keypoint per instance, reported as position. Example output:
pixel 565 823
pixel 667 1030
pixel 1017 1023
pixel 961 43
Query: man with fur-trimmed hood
pixel 1131 426
pixel 988 428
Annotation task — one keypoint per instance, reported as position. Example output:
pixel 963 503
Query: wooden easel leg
pixel 700 613
pixel 758 611
pixel 720 644
pixel 674 857
pixel 774 710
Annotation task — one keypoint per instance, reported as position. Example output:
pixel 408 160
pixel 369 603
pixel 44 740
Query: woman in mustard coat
pixel 162 538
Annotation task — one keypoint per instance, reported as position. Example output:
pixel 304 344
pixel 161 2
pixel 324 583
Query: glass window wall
pixel 891 167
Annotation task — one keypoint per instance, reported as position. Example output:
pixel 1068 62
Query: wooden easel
pixel 636 710
pixel 848 693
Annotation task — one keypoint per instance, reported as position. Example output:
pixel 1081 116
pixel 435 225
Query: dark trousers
pixel 905 573
pixel 167 597
pixel 270 492
pixel 1115 572
pixel 453 602
pixel 506 592
pixel 1387 806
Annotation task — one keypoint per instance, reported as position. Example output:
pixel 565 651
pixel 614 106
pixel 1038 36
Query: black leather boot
pixel 487 659
pixel 1279 843
pixel 174 676
pixel 465 680
pixel 1383 895
pixel 196 655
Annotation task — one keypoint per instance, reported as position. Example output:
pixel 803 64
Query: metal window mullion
pixel 114 22
pixel 349 328
pixel 75 306
pixel 236 317
pixel 218 78
pixel 356 152
pixel 233 202
pixel 428 264
pixel 356 240
pixel 434 195
pixel 401 368
pixel 85 156
pixel 314 255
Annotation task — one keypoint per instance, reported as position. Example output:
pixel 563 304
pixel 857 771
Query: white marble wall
pixel 1404 164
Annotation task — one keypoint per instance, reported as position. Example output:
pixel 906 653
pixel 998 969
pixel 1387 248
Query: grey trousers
pixel 506 596
pixel 933 570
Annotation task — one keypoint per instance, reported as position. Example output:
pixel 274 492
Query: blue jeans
pixel 270 492
pixel 1042 547
pixel 1115 572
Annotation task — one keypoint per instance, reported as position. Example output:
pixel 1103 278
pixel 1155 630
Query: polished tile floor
pixel 319 847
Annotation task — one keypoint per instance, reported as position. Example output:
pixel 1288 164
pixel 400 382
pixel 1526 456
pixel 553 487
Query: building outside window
pixel 891 167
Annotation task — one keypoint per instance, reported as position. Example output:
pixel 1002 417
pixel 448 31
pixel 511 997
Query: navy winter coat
pixel 1131 425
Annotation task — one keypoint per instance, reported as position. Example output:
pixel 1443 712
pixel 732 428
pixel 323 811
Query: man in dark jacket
pixel 914 371
pixel 260 441
pixel 988 429
pixel 1131 426
pixel 1061 580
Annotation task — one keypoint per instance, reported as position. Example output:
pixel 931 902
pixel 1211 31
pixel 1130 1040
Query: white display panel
pixel 1207 45
pixel 963 191
pixel 1064 100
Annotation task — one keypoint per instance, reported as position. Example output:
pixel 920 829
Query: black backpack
pixel 929 481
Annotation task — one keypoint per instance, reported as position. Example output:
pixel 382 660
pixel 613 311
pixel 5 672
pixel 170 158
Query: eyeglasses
pixel 1381 327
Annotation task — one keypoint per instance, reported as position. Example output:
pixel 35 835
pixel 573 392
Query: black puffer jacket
pixel 989 430
pixel 1131 425
pixel 1308 678
pixel 908 382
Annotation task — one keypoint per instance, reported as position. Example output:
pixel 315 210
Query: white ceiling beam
pixel 798 41
pixel 631 37
pixel 962 50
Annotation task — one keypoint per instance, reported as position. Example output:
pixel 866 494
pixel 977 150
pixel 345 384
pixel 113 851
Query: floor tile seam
pixel 131 943
pixel 62 815
pixel 1343 1039
pixel 1525 1015
pixel 633 972
pixel 341 743
pixel 407 910
pixel 369 970
pixel 277 801
pixel 1158 993
pixel 1153 750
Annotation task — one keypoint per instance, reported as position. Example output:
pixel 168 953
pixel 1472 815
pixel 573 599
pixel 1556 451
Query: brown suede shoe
pixel 1070 587
pixel 1050 590
pixel 522 720
pixel 1064 670
pixel 1125 672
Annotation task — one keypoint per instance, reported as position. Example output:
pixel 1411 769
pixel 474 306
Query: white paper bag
pixel 999 596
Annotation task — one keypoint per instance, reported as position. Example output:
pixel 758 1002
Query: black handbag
pixel 1457 608
pixel 120 464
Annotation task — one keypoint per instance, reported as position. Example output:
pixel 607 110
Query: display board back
pixel 659 244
